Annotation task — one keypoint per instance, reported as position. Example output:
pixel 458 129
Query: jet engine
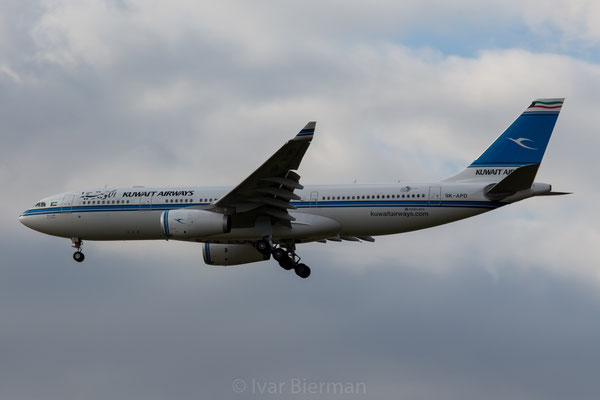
pixel 189 224
pixel 231 254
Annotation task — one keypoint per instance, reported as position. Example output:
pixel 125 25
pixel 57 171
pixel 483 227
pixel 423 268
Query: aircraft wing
pixel 269 189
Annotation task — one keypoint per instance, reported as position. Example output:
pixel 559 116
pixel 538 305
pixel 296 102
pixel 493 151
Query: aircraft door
pixel 145 203
pixel 67 203
pixel 435 195
pixel 314 198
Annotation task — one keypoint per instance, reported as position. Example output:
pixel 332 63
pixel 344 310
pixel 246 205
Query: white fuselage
pixel 323 212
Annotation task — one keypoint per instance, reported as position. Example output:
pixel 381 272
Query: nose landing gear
pixel 78 244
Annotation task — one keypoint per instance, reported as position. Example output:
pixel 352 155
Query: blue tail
pixel 525 141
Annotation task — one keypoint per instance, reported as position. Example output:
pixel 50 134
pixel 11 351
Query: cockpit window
pixel 40 204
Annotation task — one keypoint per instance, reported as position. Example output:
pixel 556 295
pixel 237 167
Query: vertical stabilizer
pixel 524 142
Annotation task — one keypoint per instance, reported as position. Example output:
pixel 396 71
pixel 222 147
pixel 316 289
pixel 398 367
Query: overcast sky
pixel 117 93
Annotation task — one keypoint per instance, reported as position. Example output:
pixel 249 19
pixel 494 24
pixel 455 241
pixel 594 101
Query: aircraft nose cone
pixel 23 220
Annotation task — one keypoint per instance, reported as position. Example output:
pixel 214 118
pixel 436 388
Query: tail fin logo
pixel 520 141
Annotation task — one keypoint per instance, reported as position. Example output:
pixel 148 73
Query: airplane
pixel 270 212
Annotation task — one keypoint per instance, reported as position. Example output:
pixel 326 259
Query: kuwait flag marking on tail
pixel 54 204
pixel 545 105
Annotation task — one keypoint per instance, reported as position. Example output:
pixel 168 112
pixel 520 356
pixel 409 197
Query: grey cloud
pixel 138 329
pixel 504 305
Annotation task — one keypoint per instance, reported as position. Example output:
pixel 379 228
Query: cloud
pixel 577 20
pixel 130 93
pixel 160 329
pixel 385 112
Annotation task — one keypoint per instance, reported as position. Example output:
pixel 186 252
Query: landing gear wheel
pixel 263 246
pixel 286 263
pixel 78 256
pixel 279 254
pixel 302 270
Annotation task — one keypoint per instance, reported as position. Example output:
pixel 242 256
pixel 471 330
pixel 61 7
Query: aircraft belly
pixel 122 225
pixel 311 224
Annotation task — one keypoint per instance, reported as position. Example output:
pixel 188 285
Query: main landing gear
pixel 78 244
pixel 286 257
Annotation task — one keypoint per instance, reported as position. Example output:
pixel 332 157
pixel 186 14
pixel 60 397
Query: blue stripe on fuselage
pixel 298 204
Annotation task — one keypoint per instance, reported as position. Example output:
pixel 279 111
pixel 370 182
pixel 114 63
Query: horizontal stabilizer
pixel 520 179
pixel 554 194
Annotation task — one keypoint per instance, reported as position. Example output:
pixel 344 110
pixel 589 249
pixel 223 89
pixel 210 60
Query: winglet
pixel 307 132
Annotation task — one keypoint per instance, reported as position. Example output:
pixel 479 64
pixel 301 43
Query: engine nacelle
pixel 189 224
pixel 231 254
